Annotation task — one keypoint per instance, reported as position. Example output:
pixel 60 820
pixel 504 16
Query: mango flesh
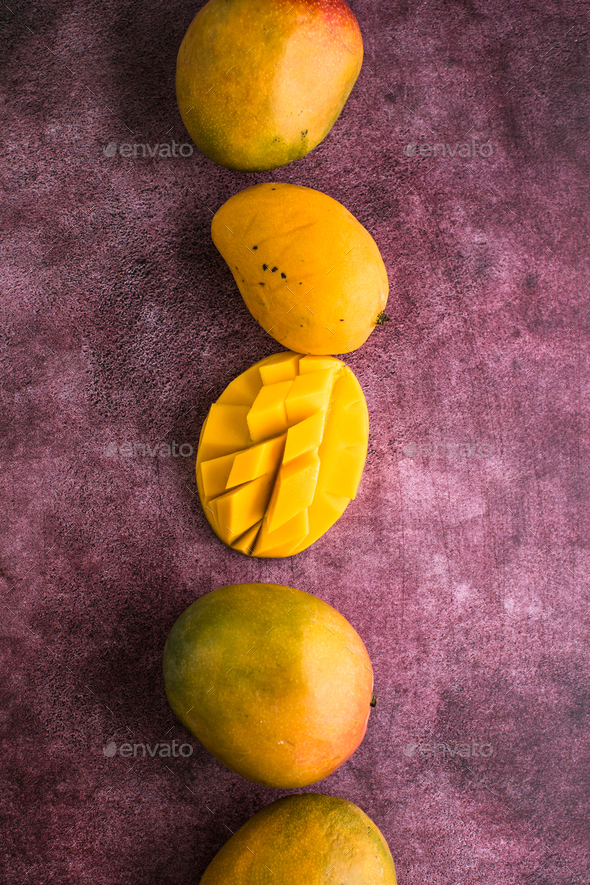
pixel 281 453
pixel 273 681
pixel 259 85
pixel 309 272
pixel 308 839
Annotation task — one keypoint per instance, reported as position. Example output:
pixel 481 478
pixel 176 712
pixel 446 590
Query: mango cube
pixel 268 414
pixel 279 367
pixel 241 507
pixel 294 489
pixel 308 394
pixel 305 435
pixel 255 462
pixel 227 430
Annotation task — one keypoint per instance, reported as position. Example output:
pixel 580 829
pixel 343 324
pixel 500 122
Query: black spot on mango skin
pixel 255 247
pixel 261 284
pixel 284 276
pixel 265 267
pixel 274 269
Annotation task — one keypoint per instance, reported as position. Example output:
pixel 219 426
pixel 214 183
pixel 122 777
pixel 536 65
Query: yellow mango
pixel 279 477
pixel 260 86
pixel 309 272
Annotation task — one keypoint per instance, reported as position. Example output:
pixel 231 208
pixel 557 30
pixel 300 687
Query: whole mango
pixel 261 84
pixel 309 272
pixel 273 681
pixel 281 453
pixel 307 839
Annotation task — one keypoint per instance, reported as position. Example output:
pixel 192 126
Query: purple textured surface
pixel 463 563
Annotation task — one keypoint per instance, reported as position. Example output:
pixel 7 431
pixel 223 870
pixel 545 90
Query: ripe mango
pixel 309 272
pixel 281 453
pixel 273 681
pixel 259 85
pixel 307 839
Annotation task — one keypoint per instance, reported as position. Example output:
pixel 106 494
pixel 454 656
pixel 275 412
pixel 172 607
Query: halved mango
pixel 281 453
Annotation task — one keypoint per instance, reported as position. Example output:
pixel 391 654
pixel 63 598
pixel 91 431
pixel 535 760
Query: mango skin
pixel 309 272
pixel 274 682
pixel 260 84
pixel 309 839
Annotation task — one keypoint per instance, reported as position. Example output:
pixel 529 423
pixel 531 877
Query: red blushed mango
pixel 274 682
pixel 261 84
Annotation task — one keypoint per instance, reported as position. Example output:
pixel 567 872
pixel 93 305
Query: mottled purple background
pixel 463 563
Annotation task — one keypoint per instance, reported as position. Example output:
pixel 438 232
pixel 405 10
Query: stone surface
pixel 463 562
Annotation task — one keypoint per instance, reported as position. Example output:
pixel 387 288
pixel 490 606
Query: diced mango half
pixel 281 453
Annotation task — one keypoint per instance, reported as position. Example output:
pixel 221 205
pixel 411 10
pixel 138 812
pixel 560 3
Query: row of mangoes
pixel 273 681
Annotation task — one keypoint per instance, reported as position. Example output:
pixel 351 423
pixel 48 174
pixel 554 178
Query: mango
pixel 309 272
pixel 281 453
pixel 274 682
pixel 306 839
pixel 261 85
